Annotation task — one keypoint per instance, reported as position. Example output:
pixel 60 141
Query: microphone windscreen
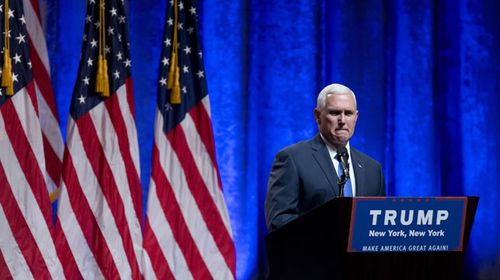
pixel 342 151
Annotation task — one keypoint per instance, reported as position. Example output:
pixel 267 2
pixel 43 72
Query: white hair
pixel 333 89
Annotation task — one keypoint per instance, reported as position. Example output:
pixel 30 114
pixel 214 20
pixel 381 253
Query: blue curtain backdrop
pixel 426 75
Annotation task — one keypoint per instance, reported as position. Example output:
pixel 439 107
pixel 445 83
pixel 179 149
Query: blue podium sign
pixel 407 224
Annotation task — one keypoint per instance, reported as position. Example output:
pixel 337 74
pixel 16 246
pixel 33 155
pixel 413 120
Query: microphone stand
pixel 341 183
pixel 342 157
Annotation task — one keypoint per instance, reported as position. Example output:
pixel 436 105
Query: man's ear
pixel 317 114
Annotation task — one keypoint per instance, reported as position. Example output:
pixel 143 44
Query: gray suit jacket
pixel 303 177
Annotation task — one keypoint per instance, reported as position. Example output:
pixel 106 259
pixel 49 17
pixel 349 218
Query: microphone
pixel 343 158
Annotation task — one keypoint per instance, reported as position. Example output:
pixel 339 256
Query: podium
pixel 315 246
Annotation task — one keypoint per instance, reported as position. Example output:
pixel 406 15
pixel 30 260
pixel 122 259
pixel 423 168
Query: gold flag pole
pixel 173 82
pixel 7 64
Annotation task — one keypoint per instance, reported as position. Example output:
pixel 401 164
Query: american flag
pixel 187 230
pixel 52 140
pixel 27 249
pixel 98 227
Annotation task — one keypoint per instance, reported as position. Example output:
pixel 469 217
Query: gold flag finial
pixel 173 82
pixel 7 64
pixel 102 78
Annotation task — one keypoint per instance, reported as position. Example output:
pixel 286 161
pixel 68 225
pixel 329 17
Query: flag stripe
pixel 50 125
pixel 16 218
pixel 80 225
pixel 176 221
pixel 158 267
pixel 108 185
pixel 83 203
pixel 116 188
pixel 54 171
pixel 178 175
pixel 4 270
pixel 206 168
pixel 206 132
pixel 20 132
pixel 42 78
pixel 49 122
pixel 52 140
pixel 70 266
pixel 130 97
pixel 118 112
pixel 181 235
pixel 167 257
pixel 200 192
pixel 147 267
pixel 51 131
pixel 30 194
pixel 36 6
pixel 35 31
pixel 12 262
pixel 127 109
pixel 201 119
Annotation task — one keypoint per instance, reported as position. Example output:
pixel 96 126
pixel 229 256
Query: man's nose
pixel 342 118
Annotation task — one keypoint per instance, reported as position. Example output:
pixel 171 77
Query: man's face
pixel 336 121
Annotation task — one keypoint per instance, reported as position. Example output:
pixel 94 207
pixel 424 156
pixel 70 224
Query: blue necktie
pixel 347 185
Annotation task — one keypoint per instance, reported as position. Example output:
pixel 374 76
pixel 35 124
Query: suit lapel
pixel 321 155
pixel 359 171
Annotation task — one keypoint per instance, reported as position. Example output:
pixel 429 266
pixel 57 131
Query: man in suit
pixel 304 175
